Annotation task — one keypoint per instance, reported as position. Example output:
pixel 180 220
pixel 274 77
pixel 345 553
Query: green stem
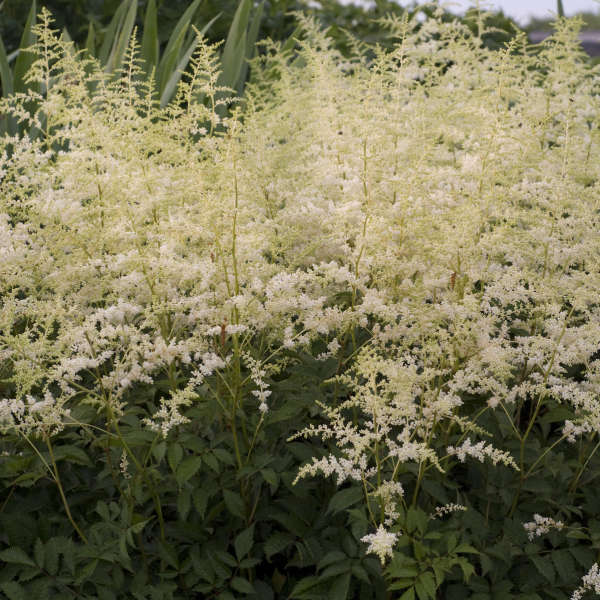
pixel 417 485
pixel 366 492
pixel 541 456
pixel 62 492
pixel 8 497
pixel 236 444
pixel 260 422
pixel 575 481
pixel 141 469
pixel 510 420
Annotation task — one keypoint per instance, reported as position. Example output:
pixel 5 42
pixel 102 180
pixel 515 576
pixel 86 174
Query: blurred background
pixel 535 16
pixel 524 12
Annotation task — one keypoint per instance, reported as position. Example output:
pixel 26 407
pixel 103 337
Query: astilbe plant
pixel 426 220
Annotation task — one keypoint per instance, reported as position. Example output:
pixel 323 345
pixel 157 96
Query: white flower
pixel 442 511
pixel 541 525
pixel 257 375
pixel 380 543
pixel 480 451
pixel 124 465
pixel 590 581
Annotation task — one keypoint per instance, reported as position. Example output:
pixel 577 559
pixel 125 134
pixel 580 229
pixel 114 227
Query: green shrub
pixel 383 268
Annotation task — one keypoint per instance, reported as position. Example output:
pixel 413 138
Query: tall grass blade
pixel 90 41
pixel 117 54
pixel 6 76
pixel 111 32
pixel 208 25
pixel 25 59
pixel 150 38
pixel 171 84
pixel 175 77
pixel 289 44
pixel 7 124
pixel 234 52
pixel 172 52
pixel 66 36
pixel 250 47
pixel 169 61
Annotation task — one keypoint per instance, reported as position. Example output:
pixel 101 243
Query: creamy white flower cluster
pixel 481 451
pixel 45 415
pixel 590 582
pixel 380 543
pixel 258 374
pixel 541 526
pixel 447 509
pixel 389 494
pixel 573 430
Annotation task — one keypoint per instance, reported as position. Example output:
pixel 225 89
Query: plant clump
pixel 417 228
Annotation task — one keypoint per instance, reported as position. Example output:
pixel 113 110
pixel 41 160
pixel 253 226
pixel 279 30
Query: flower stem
pixel 62 491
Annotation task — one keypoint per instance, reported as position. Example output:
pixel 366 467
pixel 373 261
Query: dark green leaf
pixel 416 520
pixel 16 556
pixel 38 553
pixel 234 503
pixel 564 564
pixel 270 477
pixel 72 454
pixel 187 469
pixel 465 549
pixel 51 556
pixel 86 572
pixel 226 558
pixel 168 553
pixel 583 555
pixel 200 499
pixel 224 456
pixel 428 582
pixel 544 567
pixel 304 585
pixel 276 543
pixel 344 499
pixel 577 534
pixel 174 456
pixel 242 585
pixel 467 568
pixel 184 503
pixel 13 590
pixel 159 451
pixel 243 542
pixel 331 557
pixel 340 588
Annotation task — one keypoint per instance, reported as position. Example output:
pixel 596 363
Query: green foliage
pixel 226 530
